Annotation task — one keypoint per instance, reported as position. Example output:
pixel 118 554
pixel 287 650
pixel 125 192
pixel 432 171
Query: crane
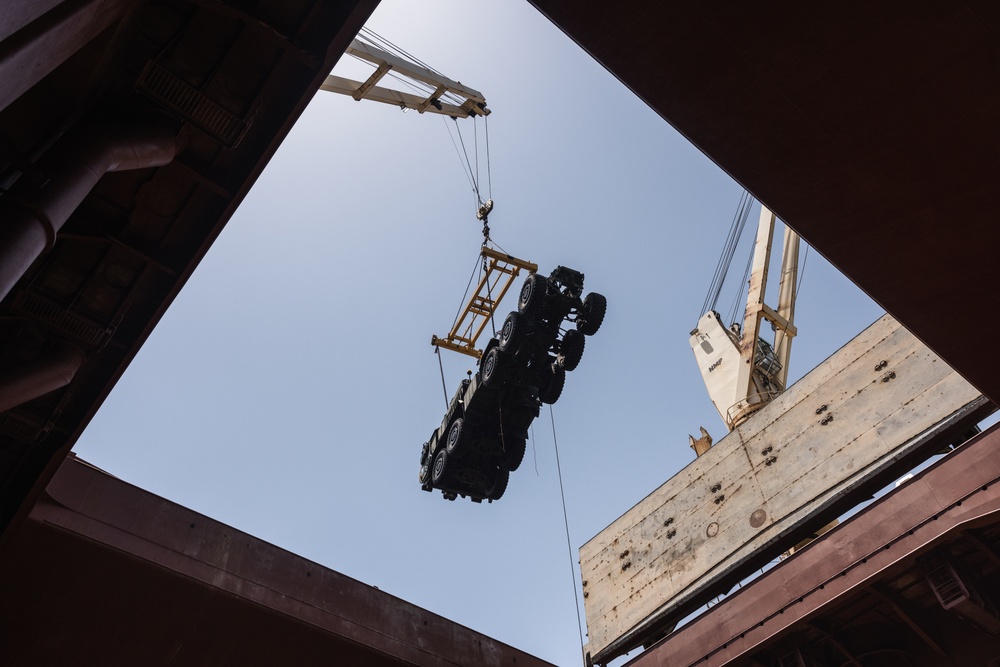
pixel 444 96
pixel 742 371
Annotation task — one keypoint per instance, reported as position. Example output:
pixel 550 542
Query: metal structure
pixel 910 580
pixel 879 405
pixel 500 271
pixel 101 572
pixel 742 371
pixel 130 131
pixel 870 128
pixel 823 114
pixel 470 102
pixel 482 436
pixel 124 150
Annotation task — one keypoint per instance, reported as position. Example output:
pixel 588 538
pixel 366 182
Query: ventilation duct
pixel 25 382
pixel 32 214
pixel 173 93
pixel 959 596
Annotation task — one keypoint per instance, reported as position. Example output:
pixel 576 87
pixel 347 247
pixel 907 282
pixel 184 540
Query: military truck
pixel 483 434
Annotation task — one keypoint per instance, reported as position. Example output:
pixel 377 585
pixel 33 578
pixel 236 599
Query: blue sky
pixel 288 389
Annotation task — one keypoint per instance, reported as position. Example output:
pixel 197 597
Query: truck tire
pixel 493 368
pixel 514 454
pixel 499 484
pixel 440 469
pixel 557 380
pixel 513 332
pixel 532 298
pixel 591 315
pixel 571 349
pixel 425 464
pixel 455 441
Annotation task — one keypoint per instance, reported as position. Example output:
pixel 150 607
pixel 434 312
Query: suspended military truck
pixel 483 434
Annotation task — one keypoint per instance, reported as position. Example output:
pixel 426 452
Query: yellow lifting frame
pixel 501 268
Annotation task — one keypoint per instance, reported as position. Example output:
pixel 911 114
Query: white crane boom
pixel 472 101
pixel 742 371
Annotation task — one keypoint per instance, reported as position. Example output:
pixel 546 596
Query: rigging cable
pixel 802 273
pixel 719 266
pixel 468 174
pixel 534 451
pixel 389 46
pixel 472 173
pixel 437 351
pixel 743 285
pixel 369 37
pixel 475 148
pixel 489 175
pixel 569 544
pixel 378 41
pixel 497 246
pixel 744 214
pixel 475 180
pixel 736 228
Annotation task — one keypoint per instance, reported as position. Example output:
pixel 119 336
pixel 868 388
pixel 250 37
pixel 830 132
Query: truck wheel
pixel 557 380
pixel 514 453
pixel 455 443
pixel 499 484
pixel 571 349
pixel 440 468
pixel 489 346
pixel 513 332
pixel 532 298
pixel 591 316
pixel 493 368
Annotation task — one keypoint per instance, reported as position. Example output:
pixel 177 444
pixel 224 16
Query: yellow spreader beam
pixel 501 270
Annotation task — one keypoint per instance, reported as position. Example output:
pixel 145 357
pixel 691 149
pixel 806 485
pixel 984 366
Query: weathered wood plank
pixel 881 397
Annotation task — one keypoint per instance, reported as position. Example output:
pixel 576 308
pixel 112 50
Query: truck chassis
pixel 483 435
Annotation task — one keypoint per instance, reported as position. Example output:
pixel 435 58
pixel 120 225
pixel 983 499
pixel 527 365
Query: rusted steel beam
pixel 96 548
pixel 850 659
pixel 34 44
pixel 971 537
pixel 908 619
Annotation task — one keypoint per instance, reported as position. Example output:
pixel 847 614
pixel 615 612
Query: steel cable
pixel 736 228
pixel 489 174
pixel 743 285
pixel 569 543
pixel 468 174
pixel 465 151
pixel 437 351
